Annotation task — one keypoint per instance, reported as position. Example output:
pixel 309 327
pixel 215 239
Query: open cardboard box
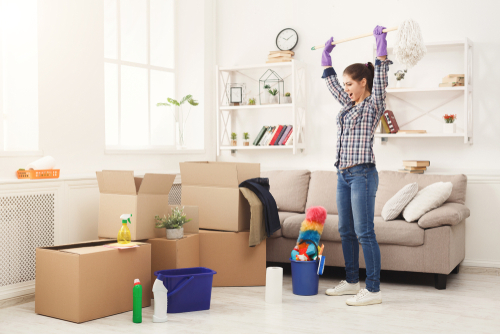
pixel 178 253
pixel 85 281
pixel 228 254
pixel 144 198
pixel 214 188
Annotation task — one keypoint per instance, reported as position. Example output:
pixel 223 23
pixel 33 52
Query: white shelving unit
pixel 467 91
pixel 297 107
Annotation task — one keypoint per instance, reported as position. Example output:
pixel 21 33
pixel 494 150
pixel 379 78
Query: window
pixel 18 76
pixel 139 72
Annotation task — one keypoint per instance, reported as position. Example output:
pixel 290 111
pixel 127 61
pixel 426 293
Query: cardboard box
pixel 144 198
pixel 228 254
pixel 86 281
pixel 174 254
pixel 213 187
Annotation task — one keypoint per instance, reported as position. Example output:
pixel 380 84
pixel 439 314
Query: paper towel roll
pixel 46 162
pixel 274 285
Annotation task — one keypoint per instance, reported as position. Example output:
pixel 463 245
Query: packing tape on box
pixel 46 162
pixel 274 285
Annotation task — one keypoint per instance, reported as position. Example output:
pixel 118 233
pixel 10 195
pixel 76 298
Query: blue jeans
pixel 356 190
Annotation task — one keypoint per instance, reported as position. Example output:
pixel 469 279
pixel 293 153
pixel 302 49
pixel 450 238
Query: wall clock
pixel 287 39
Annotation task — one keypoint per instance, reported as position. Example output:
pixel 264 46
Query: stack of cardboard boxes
pixel 86 281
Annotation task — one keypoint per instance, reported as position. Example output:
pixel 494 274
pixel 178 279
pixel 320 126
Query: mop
pixel 409 47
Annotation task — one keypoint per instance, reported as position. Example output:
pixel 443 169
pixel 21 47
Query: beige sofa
pixel 435 244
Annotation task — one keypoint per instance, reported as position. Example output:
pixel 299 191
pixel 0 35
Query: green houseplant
pixel 180 121
pixel 449 123
pixel 233 139
pixel 251 102
pixel 274 95
pixel 288 98
pixel 246 137
pixel 400 75
pixel 173 223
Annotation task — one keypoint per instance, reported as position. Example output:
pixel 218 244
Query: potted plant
pixel 449 125
pixel 180 120
pixel 173 223
pixel 251 102
pixel 288 98
pixel 266 96
pixel 400 75
pixel 233 139
pixel 246 137
pixel 274 95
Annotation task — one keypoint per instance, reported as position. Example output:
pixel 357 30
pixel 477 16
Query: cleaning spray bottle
pixel 124 233
pixel 161 300
pixel 137 302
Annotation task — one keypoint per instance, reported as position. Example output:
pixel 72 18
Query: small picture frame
pixel 236 95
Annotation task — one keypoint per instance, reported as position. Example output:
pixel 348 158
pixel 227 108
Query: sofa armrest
pixel 447 214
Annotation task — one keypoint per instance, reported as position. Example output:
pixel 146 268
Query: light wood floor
pixel 470 304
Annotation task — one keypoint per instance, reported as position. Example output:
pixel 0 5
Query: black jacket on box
pixel 260 187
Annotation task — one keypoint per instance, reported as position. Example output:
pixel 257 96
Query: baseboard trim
pixel 17 300
pixel 16 290
pixel 480 263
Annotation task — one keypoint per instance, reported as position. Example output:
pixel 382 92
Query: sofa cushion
pixel 282 215
pixel 431 197
pixel 323 191
pixel 394 232
pixel 289 188
pixel 391 182
pixel 447 214
pixel 394 206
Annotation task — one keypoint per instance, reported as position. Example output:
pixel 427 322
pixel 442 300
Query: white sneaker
pixel 344 288
pixel 365 297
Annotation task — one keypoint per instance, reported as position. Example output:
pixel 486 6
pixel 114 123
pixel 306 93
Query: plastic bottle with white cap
pixel 161 301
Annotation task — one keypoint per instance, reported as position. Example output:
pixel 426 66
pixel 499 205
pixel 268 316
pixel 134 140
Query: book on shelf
pixel 288 128
pixel 265 136
pixel 454 79
pixel 280 135
pixel 416 163
pixel 411 131
pixel 385 127
pixel 288 138
pixel 271 136
pixel 281 51
pixel 268 136
pixel 415 168
pixel 391 121
pixel 411 171
pixel 279 55
pixel 276 134
pixel 450 84
pixel 259 135
pixel 278 60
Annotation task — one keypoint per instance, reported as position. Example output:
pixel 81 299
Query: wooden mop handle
pixel 353 38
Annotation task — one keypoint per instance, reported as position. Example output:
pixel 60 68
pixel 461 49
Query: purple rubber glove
pixel 326 60
pixel 380 40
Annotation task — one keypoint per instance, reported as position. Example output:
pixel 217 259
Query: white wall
pixel 246 32
pixel 71 86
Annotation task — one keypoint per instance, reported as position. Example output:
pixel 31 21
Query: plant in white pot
pixel 400 75
pixel 274 95
pixel 449 125
pixel 288 98
pixel 173 223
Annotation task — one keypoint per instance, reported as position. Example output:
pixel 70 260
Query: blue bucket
pixel 305 279
pixel 189 289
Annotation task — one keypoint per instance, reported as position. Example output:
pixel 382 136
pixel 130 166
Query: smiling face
pixel 354 88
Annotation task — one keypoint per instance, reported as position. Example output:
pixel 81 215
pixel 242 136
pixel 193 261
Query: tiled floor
pixel 470 304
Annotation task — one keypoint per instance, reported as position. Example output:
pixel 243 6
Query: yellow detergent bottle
pixel 124 233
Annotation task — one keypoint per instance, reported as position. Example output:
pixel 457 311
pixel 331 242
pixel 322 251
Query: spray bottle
pixel 161 300
pixel 137 302
pixel 124 233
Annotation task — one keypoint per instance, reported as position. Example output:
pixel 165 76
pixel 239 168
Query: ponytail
pixel 360 71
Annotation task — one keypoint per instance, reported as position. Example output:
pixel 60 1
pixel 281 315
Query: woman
pixel 363 103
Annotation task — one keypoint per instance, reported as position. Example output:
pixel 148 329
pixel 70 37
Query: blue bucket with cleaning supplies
pixel 189 289
pixel 305 278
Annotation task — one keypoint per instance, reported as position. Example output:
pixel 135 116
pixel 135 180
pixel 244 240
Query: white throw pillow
pixel 398 202
pixel 425 200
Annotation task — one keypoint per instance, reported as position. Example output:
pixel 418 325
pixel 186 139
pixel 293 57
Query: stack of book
pixel 415 166
pixel 279 56
pixel 274 135
pixel 453 80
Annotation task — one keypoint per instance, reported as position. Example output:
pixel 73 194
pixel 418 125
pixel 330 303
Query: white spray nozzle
pixel 126 217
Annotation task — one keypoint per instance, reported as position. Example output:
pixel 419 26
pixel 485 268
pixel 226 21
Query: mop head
pixel 310 229
pixel 409 47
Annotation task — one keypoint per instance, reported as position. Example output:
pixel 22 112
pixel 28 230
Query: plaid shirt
pixel 356 124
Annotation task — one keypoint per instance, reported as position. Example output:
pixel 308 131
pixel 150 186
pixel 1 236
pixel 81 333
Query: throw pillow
pixel 398 202
pixel 425 200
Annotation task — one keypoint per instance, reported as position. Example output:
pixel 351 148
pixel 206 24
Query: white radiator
pixel 26 222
